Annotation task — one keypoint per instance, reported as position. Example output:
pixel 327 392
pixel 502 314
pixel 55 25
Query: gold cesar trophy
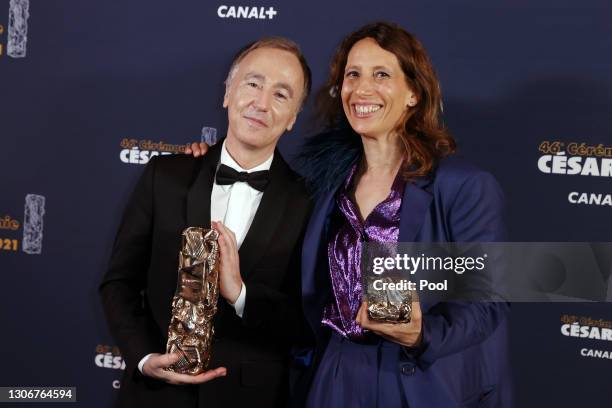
pixel 385 304
pixel 389 306
pixel 195 301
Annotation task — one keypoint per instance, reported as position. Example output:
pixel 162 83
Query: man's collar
pixel 230 162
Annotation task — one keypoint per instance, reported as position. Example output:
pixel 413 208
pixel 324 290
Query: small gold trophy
pixel 389 305
pixel 195 301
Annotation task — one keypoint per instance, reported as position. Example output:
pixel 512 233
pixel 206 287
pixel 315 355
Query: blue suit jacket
pixel 463 361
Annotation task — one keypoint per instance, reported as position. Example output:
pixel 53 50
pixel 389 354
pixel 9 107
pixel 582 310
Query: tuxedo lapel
pixel 198 197
pixel 268 216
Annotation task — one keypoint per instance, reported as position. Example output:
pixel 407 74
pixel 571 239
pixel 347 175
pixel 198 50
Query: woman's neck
pixel 383 155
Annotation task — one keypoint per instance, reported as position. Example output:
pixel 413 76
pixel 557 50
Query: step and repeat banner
pixel 91 90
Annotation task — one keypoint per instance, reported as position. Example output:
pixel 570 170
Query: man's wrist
pixel 239 304
pixel 142 362
pixel 235 294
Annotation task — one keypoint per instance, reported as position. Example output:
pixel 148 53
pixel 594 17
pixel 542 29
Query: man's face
pixel 263 97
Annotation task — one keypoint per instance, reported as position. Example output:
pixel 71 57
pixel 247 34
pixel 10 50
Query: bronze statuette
pixel 195 301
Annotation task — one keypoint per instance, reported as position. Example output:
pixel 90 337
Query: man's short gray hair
pixel 279 43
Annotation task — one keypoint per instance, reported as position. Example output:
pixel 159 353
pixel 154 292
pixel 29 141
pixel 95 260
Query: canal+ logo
pixel 246 12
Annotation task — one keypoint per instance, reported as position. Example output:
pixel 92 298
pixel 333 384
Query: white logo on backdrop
pixel 246 12
pixel 590 198
pixel 136 151
pixel 108 360
pixel 574 158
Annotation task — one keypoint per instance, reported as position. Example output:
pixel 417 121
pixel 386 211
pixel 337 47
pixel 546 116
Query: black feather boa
pixel 327 157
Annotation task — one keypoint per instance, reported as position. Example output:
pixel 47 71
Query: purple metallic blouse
pixel 348 231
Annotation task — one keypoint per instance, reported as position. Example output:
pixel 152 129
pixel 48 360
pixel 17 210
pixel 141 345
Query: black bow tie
pixel 257 179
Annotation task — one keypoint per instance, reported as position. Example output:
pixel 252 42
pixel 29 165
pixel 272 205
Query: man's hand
pixel 155 367
pixel 196 149
pixel 230 281
pixel 406 334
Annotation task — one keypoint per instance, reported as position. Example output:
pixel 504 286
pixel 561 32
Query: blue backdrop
pixel 90 89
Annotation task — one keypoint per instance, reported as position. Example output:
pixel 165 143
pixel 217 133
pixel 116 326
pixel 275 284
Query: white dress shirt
pixel 235 205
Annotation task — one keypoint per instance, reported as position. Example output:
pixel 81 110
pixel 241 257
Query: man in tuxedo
pixel 244 189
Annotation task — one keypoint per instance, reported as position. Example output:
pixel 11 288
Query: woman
pixel 389 178
pixel 383 172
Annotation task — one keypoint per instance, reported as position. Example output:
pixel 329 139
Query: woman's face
pixel 374 93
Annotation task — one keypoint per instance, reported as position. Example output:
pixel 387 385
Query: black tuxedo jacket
pixel 172 194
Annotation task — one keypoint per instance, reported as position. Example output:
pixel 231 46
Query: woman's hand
pixel 406 334
pixel 196 149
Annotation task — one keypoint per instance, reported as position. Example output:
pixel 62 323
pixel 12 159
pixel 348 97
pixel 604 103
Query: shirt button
pixel 408 369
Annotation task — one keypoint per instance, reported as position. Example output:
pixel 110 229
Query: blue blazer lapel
pixel 415 206
pixel 313 284
pixel 415 209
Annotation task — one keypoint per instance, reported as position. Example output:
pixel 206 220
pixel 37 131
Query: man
pixel 260 218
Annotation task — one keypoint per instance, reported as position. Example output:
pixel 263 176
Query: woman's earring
pixel 333 91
